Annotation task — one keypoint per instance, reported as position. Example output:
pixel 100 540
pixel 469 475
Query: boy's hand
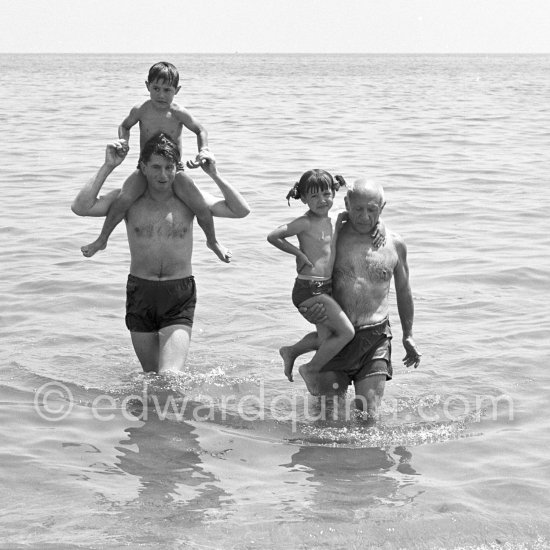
pixel 124 147
pixel 115 153
pixel 203 155
pixel 207 162
pixel 379 235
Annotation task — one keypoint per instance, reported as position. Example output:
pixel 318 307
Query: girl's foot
pixel 288 360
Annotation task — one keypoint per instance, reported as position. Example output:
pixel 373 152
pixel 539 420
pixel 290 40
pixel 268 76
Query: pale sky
pixel 271 26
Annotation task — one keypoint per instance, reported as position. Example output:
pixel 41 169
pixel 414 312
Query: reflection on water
pixel 182 472
pixel 349 482
pixel 165 456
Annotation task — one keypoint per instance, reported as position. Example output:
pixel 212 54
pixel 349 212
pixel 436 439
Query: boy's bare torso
pixel 362 276
pixel 153 120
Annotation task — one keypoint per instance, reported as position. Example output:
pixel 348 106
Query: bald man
pixel 361 281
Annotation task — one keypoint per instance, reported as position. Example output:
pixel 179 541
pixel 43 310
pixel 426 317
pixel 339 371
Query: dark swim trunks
pixel 307 288
pixel 152 305
pixel 368 353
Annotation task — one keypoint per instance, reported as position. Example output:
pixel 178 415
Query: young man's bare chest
pixel 166 220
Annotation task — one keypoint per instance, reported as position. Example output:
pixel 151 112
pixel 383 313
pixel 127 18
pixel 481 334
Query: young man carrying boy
pixel 160 293
pixel 161 114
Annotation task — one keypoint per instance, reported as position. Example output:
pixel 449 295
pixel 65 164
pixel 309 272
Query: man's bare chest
pixel 363 261
pixel 169 221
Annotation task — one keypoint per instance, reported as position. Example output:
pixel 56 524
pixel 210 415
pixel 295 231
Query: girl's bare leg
pixel 334 334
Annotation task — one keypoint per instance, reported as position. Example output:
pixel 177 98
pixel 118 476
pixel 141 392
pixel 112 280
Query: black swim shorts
pixel 306 288
pixel 368 353
pixel 152 305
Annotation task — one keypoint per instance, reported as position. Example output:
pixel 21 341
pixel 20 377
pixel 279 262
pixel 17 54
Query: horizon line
pixel 273 53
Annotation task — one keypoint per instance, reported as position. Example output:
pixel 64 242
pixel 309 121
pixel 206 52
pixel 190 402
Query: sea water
pixel 229 454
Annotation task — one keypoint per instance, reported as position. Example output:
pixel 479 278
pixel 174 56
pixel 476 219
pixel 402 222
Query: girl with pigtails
pixel 314 261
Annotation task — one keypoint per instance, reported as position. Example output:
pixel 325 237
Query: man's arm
pixel 87 202
pixel 233 204
pixel 405 304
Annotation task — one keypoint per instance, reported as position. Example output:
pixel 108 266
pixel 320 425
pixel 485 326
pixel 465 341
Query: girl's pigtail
pixel 340 182
pixel 293 193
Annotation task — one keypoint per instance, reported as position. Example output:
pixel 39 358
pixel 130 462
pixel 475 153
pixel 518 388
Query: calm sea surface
pixel 242 458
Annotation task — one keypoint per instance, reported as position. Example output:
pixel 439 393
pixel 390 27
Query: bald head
pixel 368 189
pixel 364 203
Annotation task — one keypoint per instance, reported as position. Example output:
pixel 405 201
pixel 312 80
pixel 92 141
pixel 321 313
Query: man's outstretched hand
pixel 412 356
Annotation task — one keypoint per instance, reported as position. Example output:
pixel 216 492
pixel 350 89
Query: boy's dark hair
pixel 165 72
pixel 160 144
pixel 315 180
